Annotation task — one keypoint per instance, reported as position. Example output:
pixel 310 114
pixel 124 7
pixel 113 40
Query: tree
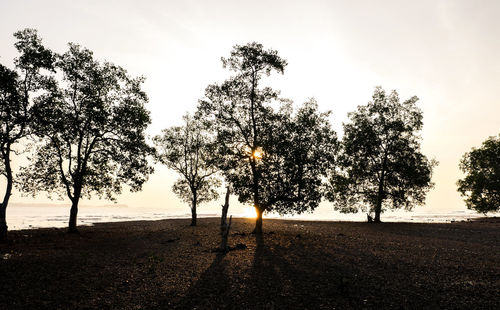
pixel 481 184
pixel 264 156
pixel 381 164
pixel 188 150
pixel 299 152
pixel 91 125
pixel 15 104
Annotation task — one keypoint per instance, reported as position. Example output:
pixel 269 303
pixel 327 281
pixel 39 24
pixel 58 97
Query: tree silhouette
pixel 189 151
pixel 91 126
pixel 15 104
pixel 299 152
pixel 258 147
pixel 481 184
pixel 381 163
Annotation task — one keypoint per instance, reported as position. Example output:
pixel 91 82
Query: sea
pixel 32 216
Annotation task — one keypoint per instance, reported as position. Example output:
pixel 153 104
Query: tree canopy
pixel 92 128
pixel 298 154
pixel 381 165
pixel 264 153
pixel 13 115
pixel 189 150
pixel 481 184
pixel 16 88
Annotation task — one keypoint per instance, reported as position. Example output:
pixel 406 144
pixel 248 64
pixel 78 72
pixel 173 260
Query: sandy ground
pixel 294 265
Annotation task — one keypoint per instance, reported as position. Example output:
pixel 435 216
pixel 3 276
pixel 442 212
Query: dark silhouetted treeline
pixel 85 121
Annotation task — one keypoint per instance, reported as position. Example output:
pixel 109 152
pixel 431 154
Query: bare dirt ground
pixel 294 265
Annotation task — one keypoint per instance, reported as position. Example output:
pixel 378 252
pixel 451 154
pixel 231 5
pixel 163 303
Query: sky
pixel 445 52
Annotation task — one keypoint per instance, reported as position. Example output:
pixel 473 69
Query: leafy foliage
pixel 12 113
pixel 92 127
pixel 242 116
pixel 34 56
pixel 381 163
pixel 271 158
pixel 189 151
pixel 15 90
pixel 299 152
pixel 481 184
pixel 16 87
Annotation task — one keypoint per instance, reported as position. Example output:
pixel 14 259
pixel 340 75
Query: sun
pixel 257 154
pixel 249 212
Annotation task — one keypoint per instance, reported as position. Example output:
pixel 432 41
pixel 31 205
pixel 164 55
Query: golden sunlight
pixel 249 212
pixel 257 154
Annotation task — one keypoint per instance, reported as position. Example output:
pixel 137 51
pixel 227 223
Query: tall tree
pixel 253 138
pixel 15 104
pixel 188 150
pixel 481 184
pixel 92 126
pixel 381 163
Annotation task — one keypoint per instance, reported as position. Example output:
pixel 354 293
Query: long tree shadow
pixel 303 276
pixel 264 277
pixel 284 274
pixel 211 291
pixel 281 280
pixel 294 273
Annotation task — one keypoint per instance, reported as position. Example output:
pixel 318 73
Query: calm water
pixel 27 217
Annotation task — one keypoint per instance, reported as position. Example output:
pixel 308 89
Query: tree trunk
pixel 193 213
pixel 258 221
pixel 224 235
pixel 224 226
pixel 378 207
pixel 225 208
pixel 256 200
pixel 3 223
pixel 6 197
pixel 73 215
pixel 378 210
pixel 381 193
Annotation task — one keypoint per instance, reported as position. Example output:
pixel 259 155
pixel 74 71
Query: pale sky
pixel 445 52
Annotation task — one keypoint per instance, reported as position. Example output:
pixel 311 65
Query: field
pixel 295 264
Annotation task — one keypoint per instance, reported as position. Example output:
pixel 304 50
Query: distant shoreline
pixel 63 205
pixel 88 216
